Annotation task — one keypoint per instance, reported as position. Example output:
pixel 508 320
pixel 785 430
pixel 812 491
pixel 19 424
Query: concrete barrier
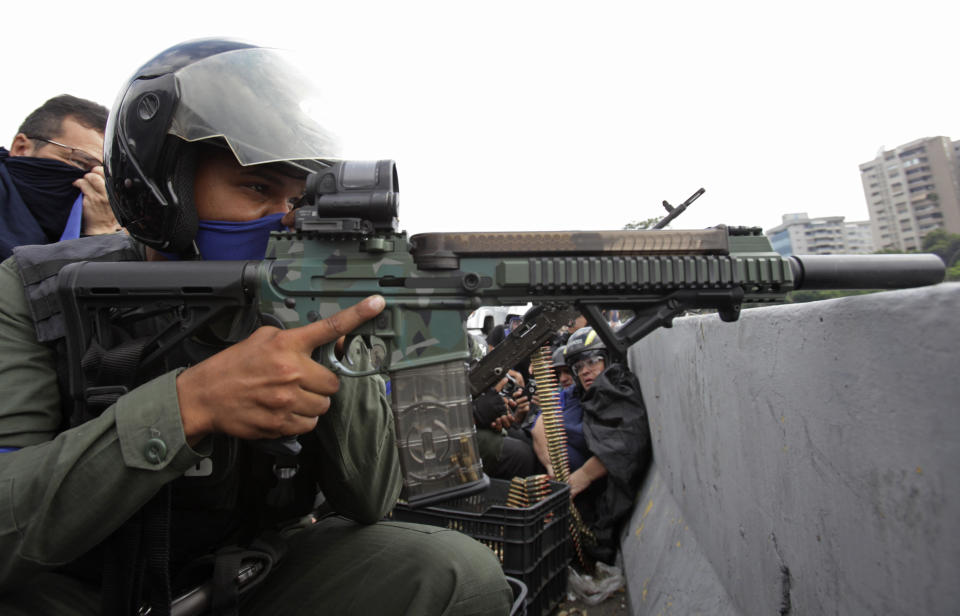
pixel 806 460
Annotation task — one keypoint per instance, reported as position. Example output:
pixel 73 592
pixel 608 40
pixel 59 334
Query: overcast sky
pixel 561 115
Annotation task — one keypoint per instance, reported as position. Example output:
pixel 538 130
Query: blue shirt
pixel 577 452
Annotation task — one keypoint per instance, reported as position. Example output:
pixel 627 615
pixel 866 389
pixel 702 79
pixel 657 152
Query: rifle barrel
pixel 816 272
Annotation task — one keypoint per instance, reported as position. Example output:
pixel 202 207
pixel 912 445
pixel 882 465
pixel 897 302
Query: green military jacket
pixel 64 492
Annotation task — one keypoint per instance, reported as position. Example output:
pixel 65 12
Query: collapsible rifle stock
pixel 346 246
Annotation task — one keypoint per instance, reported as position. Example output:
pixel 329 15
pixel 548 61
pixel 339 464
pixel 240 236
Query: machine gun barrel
pixel 892 271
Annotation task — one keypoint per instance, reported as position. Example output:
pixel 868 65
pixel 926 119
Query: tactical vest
pixel 209 508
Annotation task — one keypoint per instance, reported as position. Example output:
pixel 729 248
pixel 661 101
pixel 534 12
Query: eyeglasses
pixel 585 363
pixel 78 157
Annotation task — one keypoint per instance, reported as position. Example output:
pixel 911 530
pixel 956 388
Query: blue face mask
pixel 220 240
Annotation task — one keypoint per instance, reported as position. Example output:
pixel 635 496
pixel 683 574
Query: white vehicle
pixel 484 319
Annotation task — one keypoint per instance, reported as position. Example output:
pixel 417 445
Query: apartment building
pixel 956 161
pixel 858 237
pixel 799 234
pixel 912 190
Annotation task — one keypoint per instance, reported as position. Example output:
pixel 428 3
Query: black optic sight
pixel 352 197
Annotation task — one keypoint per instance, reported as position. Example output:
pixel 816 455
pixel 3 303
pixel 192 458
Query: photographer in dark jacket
pixel 605 411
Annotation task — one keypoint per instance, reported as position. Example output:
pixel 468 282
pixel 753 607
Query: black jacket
pixel 618 433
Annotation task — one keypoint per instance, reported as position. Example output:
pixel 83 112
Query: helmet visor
pixel 258 102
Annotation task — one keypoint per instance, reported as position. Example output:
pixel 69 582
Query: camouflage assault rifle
pixel 346 245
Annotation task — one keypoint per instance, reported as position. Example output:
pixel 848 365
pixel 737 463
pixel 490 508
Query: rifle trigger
pixel 328 357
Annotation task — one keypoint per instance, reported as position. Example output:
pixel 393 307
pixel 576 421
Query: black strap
pixel 108 374
pixel 137 553
pixel 156 542
pixel 226 588
pixel 112 366
pixel 122 569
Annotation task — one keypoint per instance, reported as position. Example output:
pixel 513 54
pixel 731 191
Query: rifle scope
pixel 364 189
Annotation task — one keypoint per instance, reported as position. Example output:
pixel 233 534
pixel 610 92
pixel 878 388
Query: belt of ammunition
pixel 548 393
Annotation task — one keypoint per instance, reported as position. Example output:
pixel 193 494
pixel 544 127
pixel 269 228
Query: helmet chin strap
pixel 193 254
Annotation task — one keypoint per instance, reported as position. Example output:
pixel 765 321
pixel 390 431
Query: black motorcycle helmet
pixel 584 344
pixel 223 92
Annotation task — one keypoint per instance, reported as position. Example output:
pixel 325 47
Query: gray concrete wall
pixel 806 460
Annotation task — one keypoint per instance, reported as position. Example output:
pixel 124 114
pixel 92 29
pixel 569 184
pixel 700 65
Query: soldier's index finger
pixel 340 324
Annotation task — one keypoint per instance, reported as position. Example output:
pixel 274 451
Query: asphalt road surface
pixel 615 605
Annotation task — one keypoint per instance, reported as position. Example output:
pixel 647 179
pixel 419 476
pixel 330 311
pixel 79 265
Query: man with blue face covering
pixel 237 206
pixel 51 180
pixel 168 487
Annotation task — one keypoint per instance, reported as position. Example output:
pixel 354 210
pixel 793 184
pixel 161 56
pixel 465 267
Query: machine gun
pixel 346 245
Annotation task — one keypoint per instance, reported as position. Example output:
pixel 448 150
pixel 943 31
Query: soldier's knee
pixel 468 574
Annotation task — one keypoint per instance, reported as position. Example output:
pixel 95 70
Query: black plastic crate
pixel 532 543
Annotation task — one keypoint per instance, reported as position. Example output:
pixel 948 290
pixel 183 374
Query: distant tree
pixel 947 247
pixel 939 241
pixel 640 225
